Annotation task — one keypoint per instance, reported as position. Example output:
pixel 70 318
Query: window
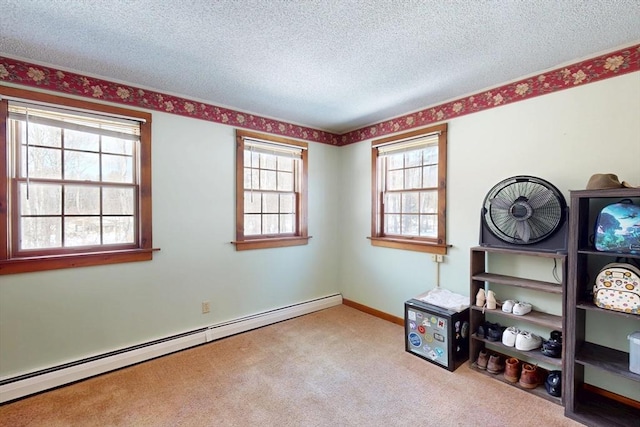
pixel 271 191
pixel 76 183
pixel 409 190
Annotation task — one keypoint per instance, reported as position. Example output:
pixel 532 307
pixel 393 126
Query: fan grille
pixel 523 210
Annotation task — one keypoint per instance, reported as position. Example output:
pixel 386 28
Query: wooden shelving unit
pixel 481 278
pixel 601 408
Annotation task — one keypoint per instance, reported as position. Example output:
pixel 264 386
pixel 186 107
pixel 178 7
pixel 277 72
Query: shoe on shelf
pixel 553 384
pixel 509 336
pixel 491 300
pixel 496 364
pixel 512 370
pixel 552 348
pixel 529 378
pixel 521 308
pixel 482 331
pixel 480 298
pixel 507 306
pixel 526 341
pixel 494 331
pixel 483 359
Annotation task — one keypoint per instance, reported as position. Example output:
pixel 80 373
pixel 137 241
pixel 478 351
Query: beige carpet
pixel 336 367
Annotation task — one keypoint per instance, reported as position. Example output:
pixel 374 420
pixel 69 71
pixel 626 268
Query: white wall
pixel 564 137
pixel 48 318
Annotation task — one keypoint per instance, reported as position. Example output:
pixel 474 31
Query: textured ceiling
pixel 334 65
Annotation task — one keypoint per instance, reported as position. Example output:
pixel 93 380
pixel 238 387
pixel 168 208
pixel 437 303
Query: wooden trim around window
pixel 301 236
pixel 10 264
pixel 420 244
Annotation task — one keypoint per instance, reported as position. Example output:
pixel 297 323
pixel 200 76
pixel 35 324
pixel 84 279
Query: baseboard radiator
pixel 24 385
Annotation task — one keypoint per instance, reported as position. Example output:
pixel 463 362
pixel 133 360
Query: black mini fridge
pixel 436 334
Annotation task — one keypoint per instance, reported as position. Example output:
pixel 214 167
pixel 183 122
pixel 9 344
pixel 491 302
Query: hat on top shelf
pixel 604 181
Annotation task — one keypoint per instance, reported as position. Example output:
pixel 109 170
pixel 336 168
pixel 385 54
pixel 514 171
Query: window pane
pixel 270 203
pixel 81 200
pixel 270 224
pixel 43 163
pixel 118 201
pixel 429 226
pixel 42 135
pixel 285 181
pixel 430 176
pixel 39 233
pixel 413 178
pixel 252 202
pixel 395 180
pixel 117 146
pixel 395 161
pixel 81 166
pixel 410 203
pixel 251 179
pixel 81 140
pixel 81 231
pixel 287 203
pixel 285 164
pixel 117 168
pixel 118 230
pixel 287 223
pixel 431 155
pixel 413 158
pixel 252 224
pixel 267 180
pixel 392 224
pixel 267 161
pixel 392 203
pixel 44 199
pixel 410 225
pixel 429 202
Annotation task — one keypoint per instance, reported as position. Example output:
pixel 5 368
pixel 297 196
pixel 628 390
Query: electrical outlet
pixel 437 258
pixel 206 307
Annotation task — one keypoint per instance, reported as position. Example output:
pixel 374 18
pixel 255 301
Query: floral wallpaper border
pixel 589 71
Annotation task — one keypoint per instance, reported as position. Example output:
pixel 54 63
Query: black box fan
pixel 527 213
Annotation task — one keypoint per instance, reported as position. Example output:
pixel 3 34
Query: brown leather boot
pixel 512 370
pixel 483 358
pixel 530 376
pixel 496 364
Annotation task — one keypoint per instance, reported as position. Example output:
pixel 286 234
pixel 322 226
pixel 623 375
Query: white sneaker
pixel 521 308
pixel 526 341
pixel 509 336
pixel 507 306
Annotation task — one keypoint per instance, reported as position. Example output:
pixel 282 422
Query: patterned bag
pixel 617 288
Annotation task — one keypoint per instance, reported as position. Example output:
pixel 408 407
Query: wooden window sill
pixel 55 262
pixel 276 242
pixel 409 245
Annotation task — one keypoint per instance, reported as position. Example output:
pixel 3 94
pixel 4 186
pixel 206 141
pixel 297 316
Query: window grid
pixel 64 152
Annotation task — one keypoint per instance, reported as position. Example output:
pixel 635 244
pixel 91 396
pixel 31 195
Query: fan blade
pixel 540 199
pixel 523 229
pixel 500 203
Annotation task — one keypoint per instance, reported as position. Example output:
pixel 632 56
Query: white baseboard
pixel 24 385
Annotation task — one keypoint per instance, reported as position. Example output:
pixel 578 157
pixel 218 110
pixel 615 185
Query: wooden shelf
pixel 539 391
pixel 595 409
pixel 601 408
pixel 536 317
pixel 587 305
pixel 479 277
pixel 518 282
pixel 533 354
pixel 605 358
pixel 509 251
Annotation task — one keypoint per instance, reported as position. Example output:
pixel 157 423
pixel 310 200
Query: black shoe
pixel 494 332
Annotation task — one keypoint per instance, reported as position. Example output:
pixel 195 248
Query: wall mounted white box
pixel 634 352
